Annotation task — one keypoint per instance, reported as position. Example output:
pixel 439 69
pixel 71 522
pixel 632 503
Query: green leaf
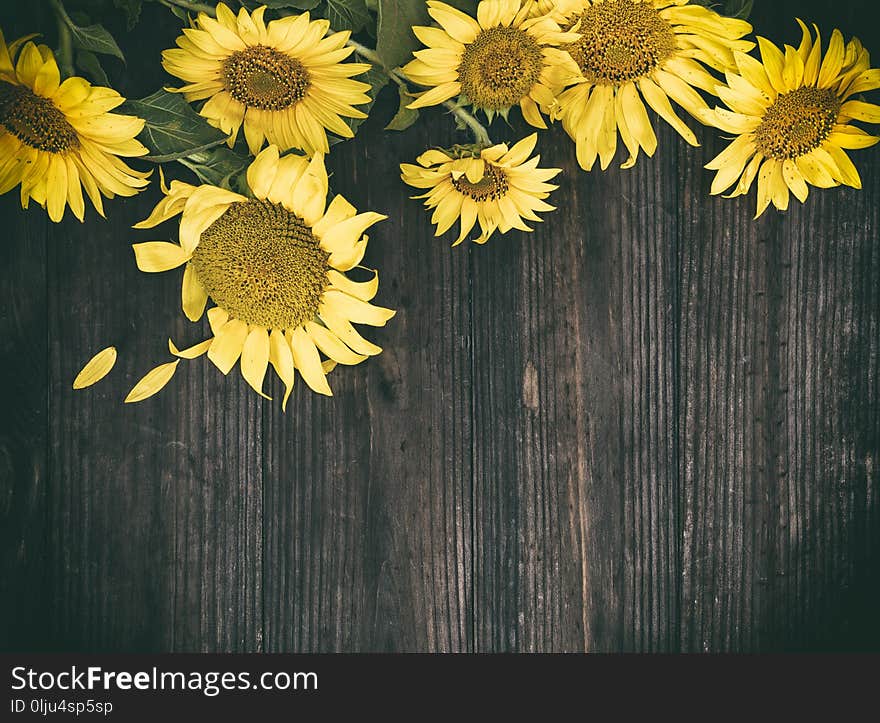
pixel 396 41
pixel 94 38
pixel 173 129
pixel 404 117
pixel 132 10
pixel 218 166
pixel 89 64
pixel 347 14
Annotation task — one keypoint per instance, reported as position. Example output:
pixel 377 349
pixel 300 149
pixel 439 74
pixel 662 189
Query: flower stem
pixel 65 39
pixel 481 135
pixel 191 6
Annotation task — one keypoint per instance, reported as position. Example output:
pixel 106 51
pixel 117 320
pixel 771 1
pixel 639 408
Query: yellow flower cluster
pixel 597 66
pixel 273 256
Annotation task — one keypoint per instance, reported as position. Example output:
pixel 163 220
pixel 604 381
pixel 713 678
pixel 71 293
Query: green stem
pixel 481 135
pixel 191 6
pixel 65 39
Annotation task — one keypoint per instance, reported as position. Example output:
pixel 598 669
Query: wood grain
pixel 651 425
pixel 24 477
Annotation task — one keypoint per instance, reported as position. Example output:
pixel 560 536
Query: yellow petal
pixel 193 294
pixel 193 352
pixel 96 369
pixel 217 317
pixel 867 112
pixel 342 236
pixel 833 61
pixel 330 344
pixel 338 210
pixel 255 359
pixel 227 345
pixel 307 360
pixel 364 290
pixel 261 172
pixel 345 331
pixel 355 310
pixel 281 358
pixel 152 382
pixel 155 256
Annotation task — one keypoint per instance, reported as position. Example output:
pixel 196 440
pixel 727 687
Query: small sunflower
pixel 283 81
pixel 632 51
pixel 57 139
pixel 497 187
pixel 791 114
pixel 274 265
pixel 502 59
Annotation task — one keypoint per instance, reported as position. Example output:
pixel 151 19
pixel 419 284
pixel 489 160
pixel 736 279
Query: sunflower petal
pixel 96 368
pixel 152 382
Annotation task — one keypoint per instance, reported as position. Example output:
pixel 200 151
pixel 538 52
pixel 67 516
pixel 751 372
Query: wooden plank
pixel 368 526
pixel 778 427
pixel 575 484
pixel 23 442
pixel 155 509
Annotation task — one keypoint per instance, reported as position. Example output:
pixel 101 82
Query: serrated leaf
pixel 404 117
pixel 396 42
pixel 173 129
pixel 89 64
pixel 132 10
pixel 94 38
pixel 218 166
pixel 347 14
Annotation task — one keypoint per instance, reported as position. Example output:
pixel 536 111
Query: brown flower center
pixel 500 67
pixel 492 186
pixel 797 122
pixel 263 265
pixel 621 40
pixel 262 77
pixel 35 120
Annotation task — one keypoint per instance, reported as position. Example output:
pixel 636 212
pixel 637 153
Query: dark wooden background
pixel 652 425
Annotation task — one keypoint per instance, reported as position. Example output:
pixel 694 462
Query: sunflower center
pixel 500 67
pixel 797 122
pixel 621 40
pixel 262 77
pixel 35 120
pixel 492 186
pixel 263 265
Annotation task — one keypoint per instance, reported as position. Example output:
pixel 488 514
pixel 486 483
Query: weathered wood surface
pixel 653 424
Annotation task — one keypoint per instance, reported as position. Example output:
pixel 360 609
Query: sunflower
pixel 57 139
pixel 284 81
pixel 502 59
pixel 791 115
pixel 497 187
pixel 274 265
pixel 632 51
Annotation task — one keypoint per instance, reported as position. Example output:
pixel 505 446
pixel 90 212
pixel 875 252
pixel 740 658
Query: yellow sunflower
pixel 633 52
pixel 502 59
pixel 496 187
pixel 274 265
pixel 284 81
pixel 57 139
pixel 791 115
